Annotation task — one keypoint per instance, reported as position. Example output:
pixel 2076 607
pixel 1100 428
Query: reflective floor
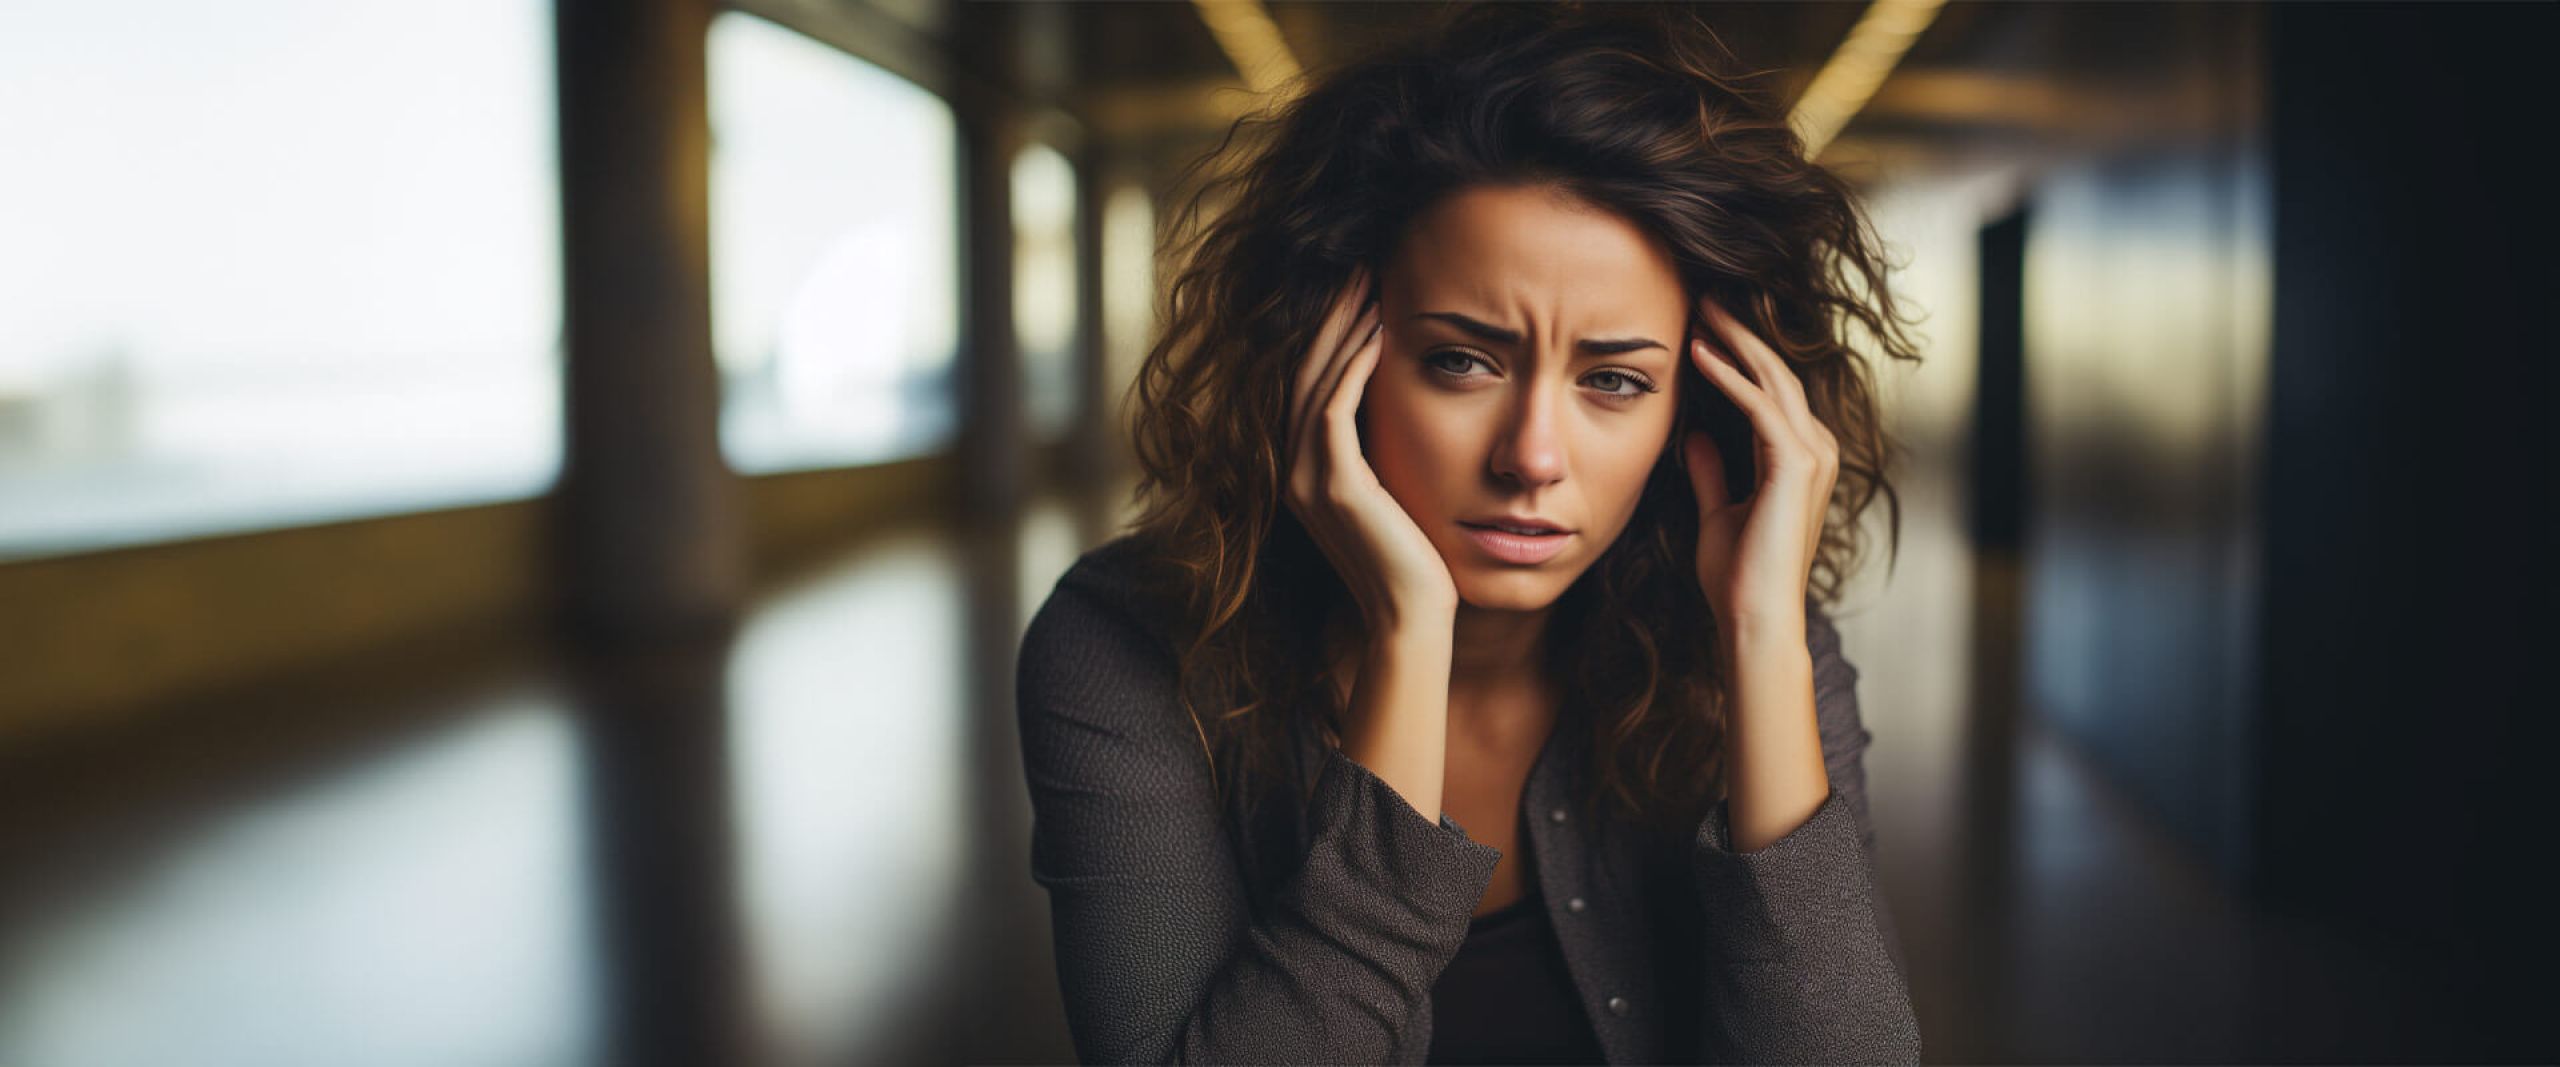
pixel 807 845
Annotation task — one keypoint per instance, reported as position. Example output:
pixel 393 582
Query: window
pixel 1044 288
pixel 834 253
pixel 271 264
pixel 1128 292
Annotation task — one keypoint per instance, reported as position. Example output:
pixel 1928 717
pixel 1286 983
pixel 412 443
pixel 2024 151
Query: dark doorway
pixel 1998 484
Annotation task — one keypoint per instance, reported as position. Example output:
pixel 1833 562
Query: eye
pixel 1634 386
pixel 1434 360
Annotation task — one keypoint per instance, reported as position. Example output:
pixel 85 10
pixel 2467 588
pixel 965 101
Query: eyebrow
pixel 1589 346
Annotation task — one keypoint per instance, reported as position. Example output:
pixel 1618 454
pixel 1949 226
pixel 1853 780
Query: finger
pixel 1324 357
pixel 1777 434
pixel 1763 362
pixel 1337 322
pixel 1343 409
pixel 1365 330
pixel 1329 336
pixel 1767 368
pixel 1789 392
pixel 1310 431
pixel 1814 438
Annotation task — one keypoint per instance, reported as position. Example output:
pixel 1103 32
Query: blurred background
pixel 515 517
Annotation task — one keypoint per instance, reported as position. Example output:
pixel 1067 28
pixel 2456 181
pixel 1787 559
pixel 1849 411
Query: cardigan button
pixel 1556 815
pixel 1618 1006
pixel 1575 905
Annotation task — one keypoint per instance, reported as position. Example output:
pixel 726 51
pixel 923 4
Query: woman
pixel 1464 693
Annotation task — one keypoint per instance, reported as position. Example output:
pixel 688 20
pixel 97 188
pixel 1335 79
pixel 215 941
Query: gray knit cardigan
pixel 1170 949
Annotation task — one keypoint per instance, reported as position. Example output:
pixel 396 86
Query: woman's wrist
pixel 1412 618
pixel 1774 740
pixel 1747 635
pixel 1399 709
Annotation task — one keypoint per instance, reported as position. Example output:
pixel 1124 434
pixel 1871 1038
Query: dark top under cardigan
pixel 1508 997
pixel 1680 950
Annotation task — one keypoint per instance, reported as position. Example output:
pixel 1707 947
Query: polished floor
pixel 807 844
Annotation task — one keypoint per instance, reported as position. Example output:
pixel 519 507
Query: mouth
pixel 1525 527
pixel 1521 542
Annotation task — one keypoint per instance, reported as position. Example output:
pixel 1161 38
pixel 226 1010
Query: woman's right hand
pixel 1394 573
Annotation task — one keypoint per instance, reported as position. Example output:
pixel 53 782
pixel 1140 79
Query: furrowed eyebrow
pixel 1588 346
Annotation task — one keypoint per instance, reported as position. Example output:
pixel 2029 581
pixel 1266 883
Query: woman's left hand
pixel 1755 555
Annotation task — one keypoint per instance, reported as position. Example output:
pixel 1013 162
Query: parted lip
pixel 1522 523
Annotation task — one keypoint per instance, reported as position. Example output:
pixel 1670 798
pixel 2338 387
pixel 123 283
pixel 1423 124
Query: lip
pixel 1531 522
pixel 1522 549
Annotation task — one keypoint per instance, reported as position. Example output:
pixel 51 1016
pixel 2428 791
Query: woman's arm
pixel 1397 718
pixel 1158 957
pixel 1800 965
pixel 1802 960
pixel 1777 771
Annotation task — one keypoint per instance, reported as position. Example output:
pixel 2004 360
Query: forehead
pixel 1537 249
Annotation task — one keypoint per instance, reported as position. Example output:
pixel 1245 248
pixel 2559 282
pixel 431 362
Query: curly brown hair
pixel 1631 109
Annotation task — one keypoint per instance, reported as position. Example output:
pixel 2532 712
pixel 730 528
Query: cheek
pixel 1626 464
pixel 1417 446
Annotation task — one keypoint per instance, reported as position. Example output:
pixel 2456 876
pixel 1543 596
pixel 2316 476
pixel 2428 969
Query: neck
pixel 1495 658
pixel 1498 675
pixel 1495 651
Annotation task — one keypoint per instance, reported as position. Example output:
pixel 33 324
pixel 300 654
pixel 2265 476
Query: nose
pixel 1530 451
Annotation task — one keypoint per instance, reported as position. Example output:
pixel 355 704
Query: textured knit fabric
pixel 1682 950
pixel 1507 997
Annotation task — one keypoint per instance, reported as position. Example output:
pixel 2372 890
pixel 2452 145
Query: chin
pixel 1511 588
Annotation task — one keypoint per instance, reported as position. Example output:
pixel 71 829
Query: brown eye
pixel 1634 386
pixel 1434 360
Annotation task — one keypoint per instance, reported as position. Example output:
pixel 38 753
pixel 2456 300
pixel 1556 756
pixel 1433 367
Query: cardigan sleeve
pixel 1804 966
pixel 1159 959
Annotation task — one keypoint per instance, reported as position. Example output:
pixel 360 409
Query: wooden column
pixel 993 435
pixel 649 534
pixel 1092 460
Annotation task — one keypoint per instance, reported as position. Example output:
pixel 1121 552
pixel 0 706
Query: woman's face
pixel 1532 344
